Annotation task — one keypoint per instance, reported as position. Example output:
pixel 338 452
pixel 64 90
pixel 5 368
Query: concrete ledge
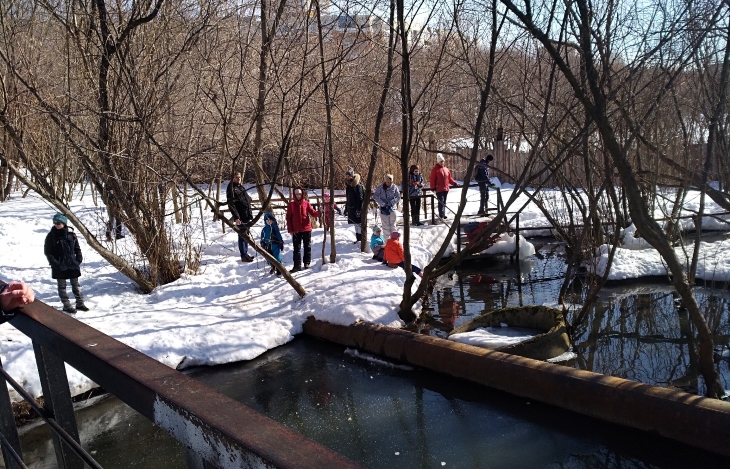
pixel 694 420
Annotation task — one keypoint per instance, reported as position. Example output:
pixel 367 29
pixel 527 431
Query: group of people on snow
pixel 64 253
pixel 385 240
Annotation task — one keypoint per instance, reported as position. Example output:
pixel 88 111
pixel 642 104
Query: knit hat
pixel 326 195
pixel 297 191
pixel 60 217
pixel 389 177
pixel 490 157
pixel 350 172
pixel 439 158
pixel 394 235
pixel 376 228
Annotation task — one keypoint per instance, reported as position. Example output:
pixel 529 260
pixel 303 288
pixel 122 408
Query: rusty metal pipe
pixel 694 420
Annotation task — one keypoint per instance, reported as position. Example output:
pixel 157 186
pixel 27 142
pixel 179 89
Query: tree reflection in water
pixel 636 330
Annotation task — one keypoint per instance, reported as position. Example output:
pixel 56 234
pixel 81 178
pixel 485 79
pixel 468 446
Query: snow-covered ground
pixel 231 311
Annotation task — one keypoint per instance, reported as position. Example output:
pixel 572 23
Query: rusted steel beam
pixel 694 420
pixel 223 431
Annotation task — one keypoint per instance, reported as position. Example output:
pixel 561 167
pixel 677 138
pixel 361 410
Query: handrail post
pixel 57 401
pixel 517 237
pixel 8 428
pixel 433 213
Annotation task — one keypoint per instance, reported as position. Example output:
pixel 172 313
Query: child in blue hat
pixel 64 255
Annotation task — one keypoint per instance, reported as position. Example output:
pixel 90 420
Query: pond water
pixel 382 415
pixel 636 330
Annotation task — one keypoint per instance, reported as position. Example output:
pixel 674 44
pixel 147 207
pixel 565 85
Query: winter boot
pixel 67 308
pixel 358 238
pixel 80 306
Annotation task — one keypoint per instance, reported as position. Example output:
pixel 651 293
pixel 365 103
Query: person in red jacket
pixel 394 255
pixel 298 224
pixel 440 181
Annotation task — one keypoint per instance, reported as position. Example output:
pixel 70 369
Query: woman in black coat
pixel 64 254
pixel 354 195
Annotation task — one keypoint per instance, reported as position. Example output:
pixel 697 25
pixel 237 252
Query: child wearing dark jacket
pixel 271 240
pixel 64 255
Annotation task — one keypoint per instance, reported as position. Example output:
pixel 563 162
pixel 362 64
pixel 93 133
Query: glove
pixel 339 212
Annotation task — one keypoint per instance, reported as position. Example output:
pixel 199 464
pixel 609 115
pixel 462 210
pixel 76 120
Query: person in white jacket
pixel 387 197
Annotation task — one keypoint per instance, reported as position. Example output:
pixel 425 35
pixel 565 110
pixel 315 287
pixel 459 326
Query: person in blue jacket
pixel 271 240
pixel 482 179
pixel 64 255
pixel 377 243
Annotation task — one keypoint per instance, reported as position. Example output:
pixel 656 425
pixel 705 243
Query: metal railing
pixel 217 431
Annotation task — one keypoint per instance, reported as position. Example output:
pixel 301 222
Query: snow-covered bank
pixel 228 312
pixel 636 258
pixel 231 311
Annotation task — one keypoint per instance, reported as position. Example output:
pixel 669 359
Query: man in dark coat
pixel 64 254
pixel 239 203
pixel 355 194
pixel 482 179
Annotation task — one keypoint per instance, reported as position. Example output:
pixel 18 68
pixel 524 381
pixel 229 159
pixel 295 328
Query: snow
pixel 636 258
pixel 230 311
pixel 494 337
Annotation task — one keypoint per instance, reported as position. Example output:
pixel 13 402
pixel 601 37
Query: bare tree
pixel 596 38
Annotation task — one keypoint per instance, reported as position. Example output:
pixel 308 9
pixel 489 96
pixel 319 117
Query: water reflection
pixel 385 417
pixel 388 417
pixel 636 330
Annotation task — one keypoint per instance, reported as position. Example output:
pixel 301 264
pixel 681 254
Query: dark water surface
pixel 382 417
pixel 385 416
